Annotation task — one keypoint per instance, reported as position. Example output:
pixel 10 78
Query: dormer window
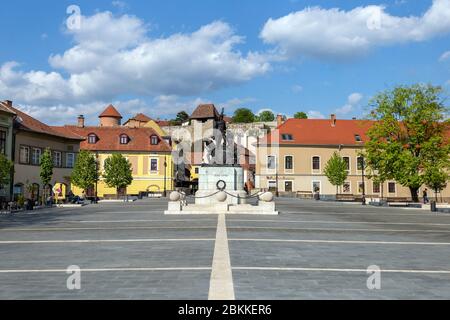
pixel 124 139
pixel 287 137
pixel 92 138
pixel 154 140
pixel 358 138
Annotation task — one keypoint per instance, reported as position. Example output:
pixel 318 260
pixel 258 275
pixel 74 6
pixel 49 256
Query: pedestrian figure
pixel 425 196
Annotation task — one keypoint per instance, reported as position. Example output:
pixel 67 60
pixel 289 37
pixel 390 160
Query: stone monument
pixel 221 182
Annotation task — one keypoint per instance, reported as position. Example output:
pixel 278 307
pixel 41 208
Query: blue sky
pixel 160 57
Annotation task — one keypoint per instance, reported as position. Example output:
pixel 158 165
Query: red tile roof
pixel 141 118
pixel 27 123
pixel 5 108
pixel 109 139
pixel 111 112
pixel 205 111
pixel 322 132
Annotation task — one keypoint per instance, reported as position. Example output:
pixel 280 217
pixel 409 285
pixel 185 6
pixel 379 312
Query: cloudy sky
pixel 161 57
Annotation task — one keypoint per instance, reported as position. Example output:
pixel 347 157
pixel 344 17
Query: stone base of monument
pixel 265 206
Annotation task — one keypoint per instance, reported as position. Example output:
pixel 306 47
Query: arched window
pixel 124 139
pixel 92 138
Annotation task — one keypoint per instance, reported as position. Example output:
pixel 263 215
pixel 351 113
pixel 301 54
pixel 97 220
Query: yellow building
pixel 148 152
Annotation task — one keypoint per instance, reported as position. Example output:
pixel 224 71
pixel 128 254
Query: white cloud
pixel 297 88
pixel 353 101
pixel 315 115
pixel 445 56
pixel 335 33
pixel 120 4
pixel 113 56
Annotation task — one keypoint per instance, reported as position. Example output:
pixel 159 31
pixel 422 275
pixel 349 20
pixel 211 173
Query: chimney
pixel 8 103
pixel 333 120
pixel 81 121
pixel 280 120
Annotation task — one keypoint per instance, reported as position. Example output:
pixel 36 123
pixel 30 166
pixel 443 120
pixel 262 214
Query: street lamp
pixel 363 183
pixel 165 176
pixel 96 178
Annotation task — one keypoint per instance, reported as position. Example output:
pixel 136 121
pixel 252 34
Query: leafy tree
pixel 266 116
pixel 46 173
pixel 336 171
pixel 85 173
pixel 117 172
pixel 182 117
pixel 300 115
pixel 6 168
pixel 408 128
pixel 243 115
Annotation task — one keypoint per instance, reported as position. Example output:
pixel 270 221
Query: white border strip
pixel 347 242
pixel 106 270
pixel 221 283
pixel 339 270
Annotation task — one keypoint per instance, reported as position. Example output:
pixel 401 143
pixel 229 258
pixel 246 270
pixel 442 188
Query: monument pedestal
pixel 210 175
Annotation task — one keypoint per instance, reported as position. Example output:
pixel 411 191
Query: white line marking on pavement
pixel 338 229
pixel 344 222
pixel 320 213
pixel 347 242
pixel 221 283
pixel 101 241
pixel 129 221
pixel 338 270
pixel 107 270
pixel 104 228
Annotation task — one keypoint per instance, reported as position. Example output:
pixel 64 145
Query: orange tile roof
pixel 322 132
pixel 27 123
pixel 205 111
pixel 109 139
pixel 141 118
pixel 110 111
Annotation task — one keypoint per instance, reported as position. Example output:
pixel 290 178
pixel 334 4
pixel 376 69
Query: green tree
pixel 300 115
pixel 182 117
pixel 46 173
pixel 85 173
pixel 243 115
pixel 408 128
pixel 117 172
pixel 266 116
pixel 6 168
pixel 336 171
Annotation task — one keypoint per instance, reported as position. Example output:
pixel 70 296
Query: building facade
pixel 31 139
pixel 149 154
pixel 7 116
pixel 292 160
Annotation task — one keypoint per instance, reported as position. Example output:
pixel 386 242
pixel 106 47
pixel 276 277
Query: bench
pixel 393 202
pixel 304 194
pixel 346 197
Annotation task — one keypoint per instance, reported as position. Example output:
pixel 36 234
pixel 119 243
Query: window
pixel 2 141
pixel 92 138
pixel 288 186
pixel 154 140
pixel 391 187
pixel 316 163
pixel 272 186
pixel 358 138
pixel 289 162
pixel 316 187
pixel 271 162
pixel 287 137
pixel 57 159
pixel 153 165
pixel 197 170
pixel 24 155
pixel 376 187
pixel 70 160
pixel 360 163
pixel 347 163
pixel 361 187
pixel 347 188
pixel 124 139
pixel 36 156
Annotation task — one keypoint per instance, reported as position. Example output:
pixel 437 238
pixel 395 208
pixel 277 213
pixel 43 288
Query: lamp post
pixel 277 190
pixel 165 176
pixel 96 178
pixel 363 183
